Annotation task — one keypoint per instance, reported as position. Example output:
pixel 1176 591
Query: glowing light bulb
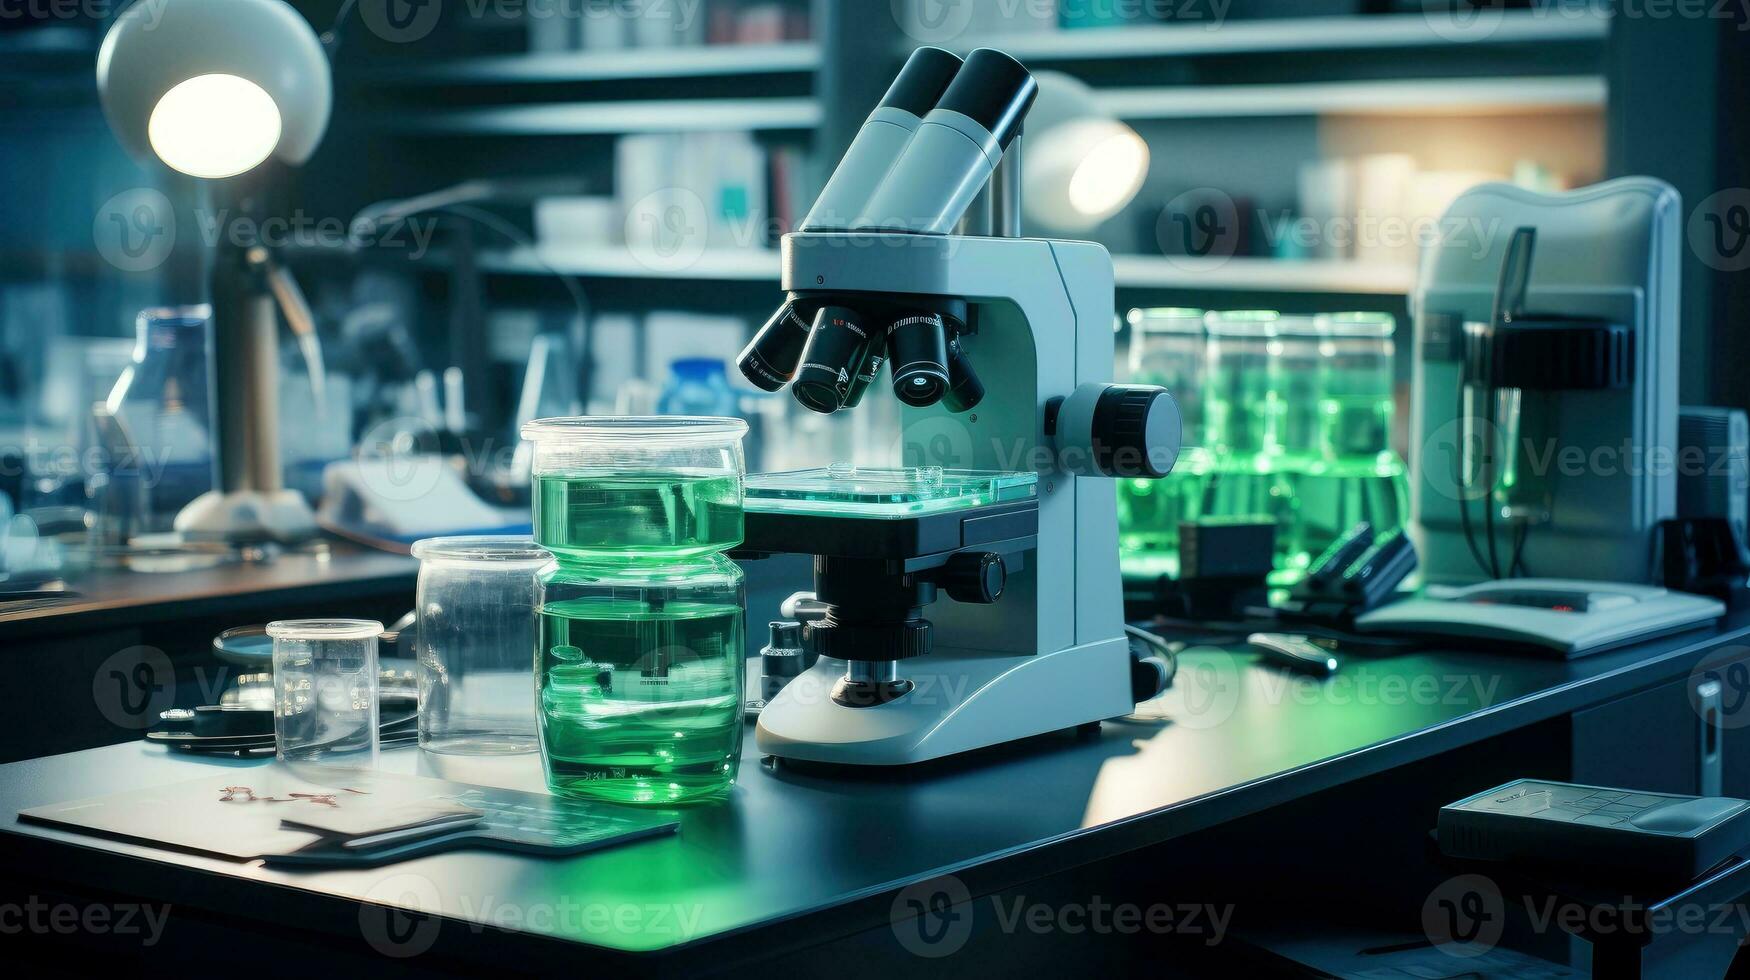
pixel 214 126
pixel 1110 175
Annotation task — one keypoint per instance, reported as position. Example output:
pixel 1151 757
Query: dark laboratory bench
pixel 1243 788
pixel 127 630
pixel 95 668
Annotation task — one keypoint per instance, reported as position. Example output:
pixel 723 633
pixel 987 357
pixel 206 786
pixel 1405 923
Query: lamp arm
pixel 459 201
pixel 296 309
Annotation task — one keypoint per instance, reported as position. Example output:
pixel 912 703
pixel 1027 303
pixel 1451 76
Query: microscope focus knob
pixel 1131 431
pixel 974 576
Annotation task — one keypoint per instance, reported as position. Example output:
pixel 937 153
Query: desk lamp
pixel 1082 166
pixel 227 91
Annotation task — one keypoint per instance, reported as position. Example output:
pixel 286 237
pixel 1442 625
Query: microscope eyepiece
pixel 920 84
pixel 993 90
pixel 956 149
pixel 965 391
pixel 917 346
pixel 836 349
pixel 769 360
pixel 882 139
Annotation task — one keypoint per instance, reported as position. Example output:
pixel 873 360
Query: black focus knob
pixel 1136 431
pixel 974 576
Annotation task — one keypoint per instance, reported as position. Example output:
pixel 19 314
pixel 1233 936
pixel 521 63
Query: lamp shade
pixel 1081 166
pixel 214 87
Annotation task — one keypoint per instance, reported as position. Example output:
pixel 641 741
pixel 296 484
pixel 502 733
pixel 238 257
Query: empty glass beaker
pixel 325 690
pixel 476 610
pixel 641 665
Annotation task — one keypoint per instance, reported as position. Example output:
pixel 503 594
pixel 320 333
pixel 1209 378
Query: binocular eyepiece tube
pixel 921 156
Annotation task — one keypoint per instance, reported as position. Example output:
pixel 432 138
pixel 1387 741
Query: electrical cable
pixel 454 201
pixel 1491 479
pixel 331 38
pixel 1461 476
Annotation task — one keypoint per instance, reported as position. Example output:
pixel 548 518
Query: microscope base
pixel 960 702
pixel 247 516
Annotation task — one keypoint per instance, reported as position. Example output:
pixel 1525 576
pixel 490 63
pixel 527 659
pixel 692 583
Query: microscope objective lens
pixel 769 360
pixel 917 346
pixel 836 350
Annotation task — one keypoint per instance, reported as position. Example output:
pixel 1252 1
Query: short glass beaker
pixel 325 690
pixel 626 488
pixel 476 636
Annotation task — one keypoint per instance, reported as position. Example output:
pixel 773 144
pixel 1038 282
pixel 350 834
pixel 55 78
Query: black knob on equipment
pixel 1131 423
pixel 974 576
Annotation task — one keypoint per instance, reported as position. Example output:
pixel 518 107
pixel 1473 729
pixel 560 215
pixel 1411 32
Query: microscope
pixel 972 598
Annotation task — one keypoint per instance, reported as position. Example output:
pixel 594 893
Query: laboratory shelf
pixel 616 262
pixel 1443 96
pixel 790 57
pixel 1353 33
pixel 1265 275
pixel 609 118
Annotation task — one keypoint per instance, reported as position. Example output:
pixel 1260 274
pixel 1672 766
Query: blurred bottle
pixel 1246 417
pixel 1167 348
pixel 698 386
pixel 163 411
pixel 1356 475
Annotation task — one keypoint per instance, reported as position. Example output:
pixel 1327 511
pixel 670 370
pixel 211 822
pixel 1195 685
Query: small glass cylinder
pixel 325 691
pixel 476 609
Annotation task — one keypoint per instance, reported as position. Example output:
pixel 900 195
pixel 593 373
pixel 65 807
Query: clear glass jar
pixel 1246 421
pixel 325 691
pixel 1168 347
pixel 476 635
pixel 625 488
pixel 1358 476
pixel 641 649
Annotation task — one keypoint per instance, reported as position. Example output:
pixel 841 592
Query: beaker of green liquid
pixel 1360 477
pixel 639 650
pixel 1246 421
pixel 1167 348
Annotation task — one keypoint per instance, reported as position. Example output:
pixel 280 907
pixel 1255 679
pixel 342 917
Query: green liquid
pixel 1149 514
pixel 641 702
pixel 637 515
pixel 1359 477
